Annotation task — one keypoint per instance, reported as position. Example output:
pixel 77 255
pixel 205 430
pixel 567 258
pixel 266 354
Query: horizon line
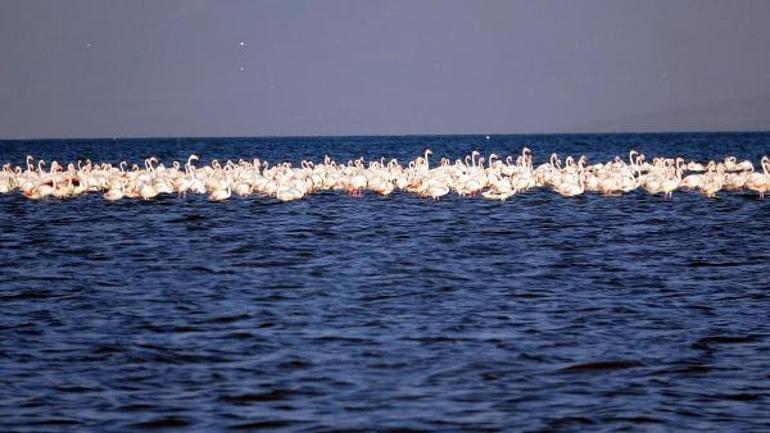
pixel 221 137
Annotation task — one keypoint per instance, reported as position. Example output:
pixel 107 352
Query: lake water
pixel 590 314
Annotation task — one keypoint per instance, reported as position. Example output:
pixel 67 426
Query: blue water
pixel 592 314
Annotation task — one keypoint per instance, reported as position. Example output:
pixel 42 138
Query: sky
pixel 150 68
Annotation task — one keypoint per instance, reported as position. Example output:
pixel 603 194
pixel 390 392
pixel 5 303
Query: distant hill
pixel 752 114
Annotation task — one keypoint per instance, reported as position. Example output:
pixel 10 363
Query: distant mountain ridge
pixel 747 114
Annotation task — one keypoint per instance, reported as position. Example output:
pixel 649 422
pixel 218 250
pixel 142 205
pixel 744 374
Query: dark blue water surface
pixel 541 313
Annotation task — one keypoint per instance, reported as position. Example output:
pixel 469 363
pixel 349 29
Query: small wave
pixel 601 366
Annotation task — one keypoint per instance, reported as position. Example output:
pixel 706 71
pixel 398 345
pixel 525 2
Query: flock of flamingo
pixel 492 178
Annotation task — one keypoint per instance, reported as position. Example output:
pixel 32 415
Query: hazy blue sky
pixel 104 68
